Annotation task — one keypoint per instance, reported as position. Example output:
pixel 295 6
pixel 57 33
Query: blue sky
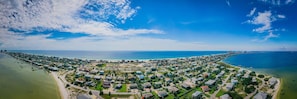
pixel 148 25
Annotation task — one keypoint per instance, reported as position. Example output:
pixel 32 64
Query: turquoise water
pixel 18 81
pixel 118 55
pixel 279 64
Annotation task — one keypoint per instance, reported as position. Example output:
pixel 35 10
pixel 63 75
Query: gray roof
pixel 229 86
pixel 162 93
pixel 210 82
pixel 272 81
pixel 225 96
pixel 83 96
pixel 197 93
pixel 172 89
pixel 147 84
pixel 148 95
pixel 260 95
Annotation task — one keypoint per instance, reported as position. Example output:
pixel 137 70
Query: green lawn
pixel 191 92
pixel 220 93
pixel 212 90
pixel 155 95
pixel 124 88
pixel 181 91
pixel 98 86
pixel 170 96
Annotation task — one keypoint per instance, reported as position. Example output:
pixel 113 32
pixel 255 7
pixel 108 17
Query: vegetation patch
pixel 124 88
pixel 220 93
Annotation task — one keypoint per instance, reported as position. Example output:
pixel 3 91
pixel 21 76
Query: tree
pixel 261 76
pixel 253 73
pixel 249 89
pixel 101 92
pixel 247 81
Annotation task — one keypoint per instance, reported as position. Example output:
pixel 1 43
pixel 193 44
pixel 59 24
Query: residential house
pixel 108 78
pixel 120 79
pixel 210 82
pixel 234 81
pixel 147 85
pixel 94 71
pixel 141 77
pixel 229 86
pixel 133 86
pixel 83 96
pixel 138 73
pixel 185 85
pixel 272 81
pixel 162 94
pixel 78 81
pixel 157 85
pixel 101 72
pixel 106 84
pixel 90 83
pixel 260 95
pixel 205 88
pixel 148 96
pixel 97 77
pixel 225 96
pixel 197 95
pixel 172 89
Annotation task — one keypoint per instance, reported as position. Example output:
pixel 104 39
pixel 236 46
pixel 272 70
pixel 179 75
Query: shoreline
pixel 278 85
pixel 129 59
pixel 63 91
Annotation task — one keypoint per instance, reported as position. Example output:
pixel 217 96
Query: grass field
pixel 124 88
pixel 220 93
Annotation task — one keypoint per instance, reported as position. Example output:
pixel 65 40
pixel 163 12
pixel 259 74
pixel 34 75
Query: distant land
pixel 201 75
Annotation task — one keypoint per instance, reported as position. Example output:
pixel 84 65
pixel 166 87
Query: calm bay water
pixel 18 81
pixel 279 64
pixel 118 55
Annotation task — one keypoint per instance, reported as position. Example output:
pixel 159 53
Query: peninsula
pixel 200 77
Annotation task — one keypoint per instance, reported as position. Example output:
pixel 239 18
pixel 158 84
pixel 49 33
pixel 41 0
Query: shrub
pixel 261 76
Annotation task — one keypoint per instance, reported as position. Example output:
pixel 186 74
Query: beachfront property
pixel 203 77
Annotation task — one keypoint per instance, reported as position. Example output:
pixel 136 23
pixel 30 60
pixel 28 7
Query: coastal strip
pixel 63 91
pixel 200 77
pixel 278 88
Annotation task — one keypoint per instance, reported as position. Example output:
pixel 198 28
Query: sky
pixel 152 25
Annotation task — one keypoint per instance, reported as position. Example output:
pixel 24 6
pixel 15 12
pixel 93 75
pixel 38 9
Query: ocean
pixel 120 55
pixel 279 64
pixel 18 81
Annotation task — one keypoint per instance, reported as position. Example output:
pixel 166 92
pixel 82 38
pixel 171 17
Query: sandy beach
pixel 63 91
pixel 277 88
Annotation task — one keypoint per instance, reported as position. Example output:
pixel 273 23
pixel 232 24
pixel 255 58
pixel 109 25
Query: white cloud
pixel 106 29
pixel 281 16
pixel 37 42
pixel 252 12
pixel 85 16
pixel 265 20
pixel 228 3
pixel 270 35
pixel 278 2
pixel 289 1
